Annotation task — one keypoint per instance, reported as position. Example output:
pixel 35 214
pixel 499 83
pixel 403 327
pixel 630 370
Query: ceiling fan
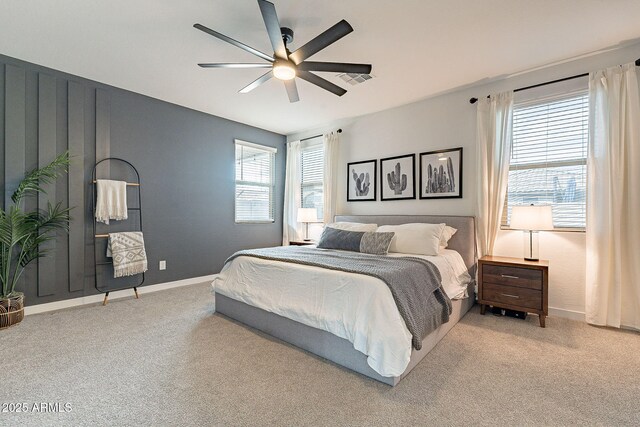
pixel 285 65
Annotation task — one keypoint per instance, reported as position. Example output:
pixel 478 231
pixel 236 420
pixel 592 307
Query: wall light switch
pixel 163 265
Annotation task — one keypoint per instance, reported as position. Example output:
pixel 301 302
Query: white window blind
pixel 312 165
pixel 549 158
pixel 255 182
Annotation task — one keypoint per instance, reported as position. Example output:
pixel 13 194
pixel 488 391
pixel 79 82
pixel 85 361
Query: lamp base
pixel 306 240
pixel 306 234
pixel 530 245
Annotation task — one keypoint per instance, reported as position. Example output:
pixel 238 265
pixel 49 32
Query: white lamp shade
pixel 531 218
pixel 307 215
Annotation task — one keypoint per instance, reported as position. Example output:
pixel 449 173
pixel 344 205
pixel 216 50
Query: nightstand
pixel 515 284
pixel 301 242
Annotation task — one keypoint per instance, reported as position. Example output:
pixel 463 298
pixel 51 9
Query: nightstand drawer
pixel 521 297
pixel 512 276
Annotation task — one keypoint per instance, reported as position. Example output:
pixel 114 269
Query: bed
pixel 330 340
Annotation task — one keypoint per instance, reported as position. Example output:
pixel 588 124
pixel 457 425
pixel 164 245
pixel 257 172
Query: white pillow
pixel 447 234
pixel 353 226
pixel 418 238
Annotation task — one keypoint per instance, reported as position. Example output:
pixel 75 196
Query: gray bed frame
pixel 339 350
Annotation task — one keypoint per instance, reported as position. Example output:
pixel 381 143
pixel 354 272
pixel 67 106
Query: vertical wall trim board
pixel 29 280
pixel 2 139
pixel 62 183
pixel 76 185
pixel 103 131
pixel 15 129
pixel 89 161
pixel 47 132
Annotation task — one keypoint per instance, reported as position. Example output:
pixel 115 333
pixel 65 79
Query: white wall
pixel 448 121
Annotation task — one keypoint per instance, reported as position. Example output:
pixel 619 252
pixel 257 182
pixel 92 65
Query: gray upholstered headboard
pixel 464 241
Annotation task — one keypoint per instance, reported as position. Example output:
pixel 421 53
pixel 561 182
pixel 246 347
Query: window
pixel 255 182
pixel 312 166
pixel 549 158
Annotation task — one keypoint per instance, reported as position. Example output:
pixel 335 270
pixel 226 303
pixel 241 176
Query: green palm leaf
pixel 34 180
pixel 46 223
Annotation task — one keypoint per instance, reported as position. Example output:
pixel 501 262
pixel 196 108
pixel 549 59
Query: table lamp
pixel 531 219
pixel 307 215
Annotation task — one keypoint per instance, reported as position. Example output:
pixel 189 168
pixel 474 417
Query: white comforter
pixel 356 307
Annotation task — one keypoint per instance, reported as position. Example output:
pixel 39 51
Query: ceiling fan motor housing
pixel 287 35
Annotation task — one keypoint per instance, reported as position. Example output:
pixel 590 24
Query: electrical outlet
pixel 163 265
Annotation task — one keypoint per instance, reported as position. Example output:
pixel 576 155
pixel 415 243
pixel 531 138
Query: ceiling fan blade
pixel 270 18
pixel 330 36
pixel 257 82
pixel 336 67
pixel 292 90
pixel 319 81
pixel 235 65
pixel 233 42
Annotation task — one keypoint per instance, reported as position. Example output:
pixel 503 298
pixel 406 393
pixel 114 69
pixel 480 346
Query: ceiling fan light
pixel 283 70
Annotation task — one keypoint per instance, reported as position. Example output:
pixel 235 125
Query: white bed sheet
pixel 355 307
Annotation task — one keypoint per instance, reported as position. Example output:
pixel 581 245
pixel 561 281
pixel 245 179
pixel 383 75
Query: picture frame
pixel 398 178
pixel 361 181
pixel 441 174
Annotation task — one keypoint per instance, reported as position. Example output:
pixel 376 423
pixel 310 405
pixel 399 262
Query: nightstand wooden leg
pixel 483 308
pixel 542 317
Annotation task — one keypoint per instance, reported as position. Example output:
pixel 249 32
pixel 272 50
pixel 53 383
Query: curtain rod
pixel 474 100
pixel 317 136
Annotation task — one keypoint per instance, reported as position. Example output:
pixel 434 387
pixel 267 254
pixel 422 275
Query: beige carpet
pixel 166 359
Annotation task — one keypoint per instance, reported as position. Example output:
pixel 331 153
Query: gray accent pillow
pixel 355 241
pixel 333 238
pixel 376 243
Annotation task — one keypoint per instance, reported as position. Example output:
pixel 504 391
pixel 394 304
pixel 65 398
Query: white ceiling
pixel 418 48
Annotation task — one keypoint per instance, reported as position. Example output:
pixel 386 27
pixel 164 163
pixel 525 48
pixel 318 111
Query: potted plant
pixel 23 233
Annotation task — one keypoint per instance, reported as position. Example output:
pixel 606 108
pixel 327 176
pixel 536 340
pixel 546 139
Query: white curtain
pixel 613 199
pixel 494 123
pixel 291 229
pixel 330 178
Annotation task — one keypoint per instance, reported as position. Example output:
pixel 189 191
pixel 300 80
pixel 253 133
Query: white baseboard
pixel 567 314
pixel 125 293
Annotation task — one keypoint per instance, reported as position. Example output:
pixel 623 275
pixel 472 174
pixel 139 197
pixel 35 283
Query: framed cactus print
pixel 441 174
pixel 361 181
pixel 397 177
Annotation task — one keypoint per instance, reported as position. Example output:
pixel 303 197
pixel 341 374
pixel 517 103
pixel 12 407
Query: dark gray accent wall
pixel 186 163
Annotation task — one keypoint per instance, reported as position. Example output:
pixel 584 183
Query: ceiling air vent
pixel 354 78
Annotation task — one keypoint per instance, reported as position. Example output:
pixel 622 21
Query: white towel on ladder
pixel 111 200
